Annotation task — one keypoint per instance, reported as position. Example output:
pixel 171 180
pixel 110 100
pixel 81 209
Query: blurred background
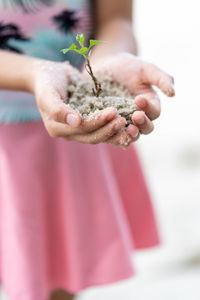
pixel 168 34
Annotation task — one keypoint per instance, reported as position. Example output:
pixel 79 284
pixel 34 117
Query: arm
pixel 114 24
pixel 48 82
pixel 16 72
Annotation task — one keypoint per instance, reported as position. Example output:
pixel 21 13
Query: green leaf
pixel 80 38
pixel 94 42
pixel 64 51
pixel 73 47
pixel 83 51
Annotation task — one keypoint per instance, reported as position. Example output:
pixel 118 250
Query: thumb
pixel 155 76
pixel 54 107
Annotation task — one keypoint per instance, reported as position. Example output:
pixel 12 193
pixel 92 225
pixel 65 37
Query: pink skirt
pixel 70 214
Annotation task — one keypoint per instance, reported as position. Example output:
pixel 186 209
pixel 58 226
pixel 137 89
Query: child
pixel 70 213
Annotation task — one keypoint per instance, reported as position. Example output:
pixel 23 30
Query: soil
pixel 81 98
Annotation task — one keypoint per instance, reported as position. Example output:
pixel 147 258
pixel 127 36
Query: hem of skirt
pixel 93 283
pixel 75 290
pixel 89 284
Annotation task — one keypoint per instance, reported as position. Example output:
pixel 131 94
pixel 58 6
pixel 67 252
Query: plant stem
pixel 97 84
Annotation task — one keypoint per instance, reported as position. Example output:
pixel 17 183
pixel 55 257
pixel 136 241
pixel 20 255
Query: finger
pixel 155 76
pixel 142 122
pixel 92 123
pixel 87 126
pixel 133 132
pixel 150 104
pixel 125 138
pixel 102 134
pixel 55 109
pixel 57 130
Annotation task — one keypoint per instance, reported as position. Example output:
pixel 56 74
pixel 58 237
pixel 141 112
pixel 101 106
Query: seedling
pixel 85 51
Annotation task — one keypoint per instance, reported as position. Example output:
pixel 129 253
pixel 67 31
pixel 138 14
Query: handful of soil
pixel 81 98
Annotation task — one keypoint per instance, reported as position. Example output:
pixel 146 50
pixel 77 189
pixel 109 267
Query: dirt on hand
pixel 80 97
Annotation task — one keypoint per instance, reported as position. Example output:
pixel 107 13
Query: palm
pixel 53 77
pixel 137 75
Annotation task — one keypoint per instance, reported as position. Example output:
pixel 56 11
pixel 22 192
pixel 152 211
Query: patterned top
pixel 38 28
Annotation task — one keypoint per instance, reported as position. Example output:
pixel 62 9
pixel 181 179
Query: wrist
pixel 30 74
pixel 44 72
pixel 119 37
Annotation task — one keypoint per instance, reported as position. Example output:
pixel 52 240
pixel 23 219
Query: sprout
pixel 84 51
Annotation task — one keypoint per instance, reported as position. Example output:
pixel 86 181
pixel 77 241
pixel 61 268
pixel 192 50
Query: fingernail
pixel 140 121
pixel 109 114
pixel 134 135
pixel 72 120
pixel 142 103
pixel 171 92
pixel 118 126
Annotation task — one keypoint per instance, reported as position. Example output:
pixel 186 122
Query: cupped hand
pixel 139 77
pixel 50 89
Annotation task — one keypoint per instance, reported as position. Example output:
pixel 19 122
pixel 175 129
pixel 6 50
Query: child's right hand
pixel 50 82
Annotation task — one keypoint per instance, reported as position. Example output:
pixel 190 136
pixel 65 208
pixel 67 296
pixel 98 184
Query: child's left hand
pixel 139 77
